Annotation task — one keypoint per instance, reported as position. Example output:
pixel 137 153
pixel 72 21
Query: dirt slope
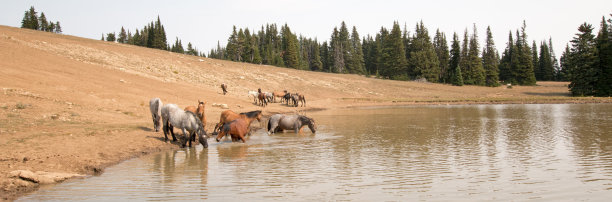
pixel 71 105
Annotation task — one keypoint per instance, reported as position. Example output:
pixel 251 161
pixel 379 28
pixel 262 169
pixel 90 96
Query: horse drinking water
pixel 188 122
pixel 155 105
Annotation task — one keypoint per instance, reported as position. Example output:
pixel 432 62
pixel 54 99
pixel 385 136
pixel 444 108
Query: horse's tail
pixel 269 125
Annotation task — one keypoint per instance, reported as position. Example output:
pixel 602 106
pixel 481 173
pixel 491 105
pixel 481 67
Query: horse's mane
pixel 196 117
pixel 252 114
pixel 304 119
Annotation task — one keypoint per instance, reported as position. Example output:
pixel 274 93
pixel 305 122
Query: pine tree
pixel 584 62
pixel 315 62
pixel 337 49
pixel 535 61
pixel 564 73
pixel 122 36
pixel 423 60
pixel 604 51
pixel 290 47
pixel 102 39
pixel 455 76
pixel 441 48
pixel 464 63
pixel 525 74
pixel 33 19
pixel 490 61
pixel 477 73
pixel 505 64
pixel 555 62
pixel 110 37
pixel 58 28
pixel 325 58
pixel 357 61
pixel 394 55
pixel 545 66
pixel 44 24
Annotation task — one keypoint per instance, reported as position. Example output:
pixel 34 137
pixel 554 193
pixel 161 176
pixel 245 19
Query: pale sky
pixel 203 23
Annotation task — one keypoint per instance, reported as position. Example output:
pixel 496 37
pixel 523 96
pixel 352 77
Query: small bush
pixel 21 105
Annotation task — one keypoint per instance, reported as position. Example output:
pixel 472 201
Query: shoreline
pixel 98 170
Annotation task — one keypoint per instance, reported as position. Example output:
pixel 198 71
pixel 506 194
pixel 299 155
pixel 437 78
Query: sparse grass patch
pixel 175 72
pixel 21 105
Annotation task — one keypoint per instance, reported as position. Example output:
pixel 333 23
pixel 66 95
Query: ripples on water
pixel 480 152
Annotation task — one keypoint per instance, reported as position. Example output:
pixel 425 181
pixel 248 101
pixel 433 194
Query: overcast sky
pixel 204 22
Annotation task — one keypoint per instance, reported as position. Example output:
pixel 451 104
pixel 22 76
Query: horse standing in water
pixel 187 121
pixel 155 105
pixel 229 116
pixel 199 111
pixel 237 129
pixel 279 122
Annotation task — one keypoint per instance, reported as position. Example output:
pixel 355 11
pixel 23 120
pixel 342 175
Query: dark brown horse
pixel 229 116
pixel 237 129
pixel 262 98
pixel 224 88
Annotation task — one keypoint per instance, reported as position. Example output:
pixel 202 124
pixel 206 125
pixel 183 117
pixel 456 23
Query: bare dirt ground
pixel 71 106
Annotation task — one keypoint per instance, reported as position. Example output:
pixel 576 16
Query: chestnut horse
pixel 237 129
pixel 278 94
pixel 229 116
pixel 199 111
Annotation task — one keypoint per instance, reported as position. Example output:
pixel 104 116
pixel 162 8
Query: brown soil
pixel 71 105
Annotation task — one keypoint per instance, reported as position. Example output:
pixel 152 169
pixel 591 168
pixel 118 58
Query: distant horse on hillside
pixel 237 129
pixel 279 122
pixel 261 97
pixel 187 121
pixel 224 88
pixel 296 98
pixel 278 94
pixel 155 105
pixel 286 98
pixel 255 94
pixel 228 116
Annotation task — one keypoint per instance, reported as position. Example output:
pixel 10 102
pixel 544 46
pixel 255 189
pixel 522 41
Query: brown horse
pixel 278 94
pixel 297 98
pixel 199 111
pixel 224 88
pixel 229 116
pixel 237 129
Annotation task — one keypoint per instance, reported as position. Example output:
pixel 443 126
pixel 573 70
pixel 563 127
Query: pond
pixel 443 153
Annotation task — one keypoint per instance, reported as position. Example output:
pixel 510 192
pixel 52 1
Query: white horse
pixel 155 105
pixel 255 94
pixel 187 121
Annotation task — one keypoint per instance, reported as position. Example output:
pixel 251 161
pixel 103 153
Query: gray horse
pixel 279 122
pixel 188 122
pixel 155 105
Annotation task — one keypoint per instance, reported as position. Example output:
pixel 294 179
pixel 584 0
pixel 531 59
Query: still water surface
pixel 554 152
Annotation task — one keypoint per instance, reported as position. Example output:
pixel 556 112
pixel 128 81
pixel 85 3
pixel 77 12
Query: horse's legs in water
pixel 187 138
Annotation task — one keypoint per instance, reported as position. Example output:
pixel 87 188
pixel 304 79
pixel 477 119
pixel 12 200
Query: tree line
pixel 398 54
pixel 587 63
pixel 31 20
pixel 152 35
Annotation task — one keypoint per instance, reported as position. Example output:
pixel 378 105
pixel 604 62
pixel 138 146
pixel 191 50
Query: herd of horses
pixel 291 99
pixel 192 121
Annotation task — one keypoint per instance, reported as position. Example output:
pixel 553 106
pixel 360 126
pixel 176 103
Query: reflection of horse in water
pixel 232 152
pixel 280 122
pixel 180 164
